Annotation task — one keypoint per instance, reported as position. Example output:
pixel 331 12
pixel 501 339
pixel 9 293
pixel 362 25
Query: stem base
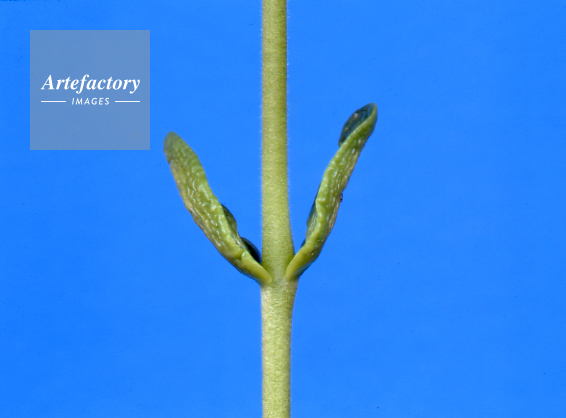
pixel 277 302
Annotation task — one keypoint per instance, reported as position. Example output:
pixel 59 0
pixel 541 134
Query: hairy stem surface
pixel 277 240
pixel 278 297
pixel 276 314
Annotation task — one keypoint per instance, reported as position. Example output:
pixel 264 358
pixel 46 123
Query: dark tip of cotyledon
pixel 252 250
pixel 354 121
pixel 228 215
pixel 171 139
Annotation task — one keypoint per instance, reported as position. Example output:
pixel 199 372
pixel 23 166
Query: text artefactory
pixel 92 84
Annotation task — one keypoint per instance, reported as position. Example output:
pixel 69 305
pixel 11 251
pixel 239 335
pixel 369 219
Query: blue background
pixel 440 292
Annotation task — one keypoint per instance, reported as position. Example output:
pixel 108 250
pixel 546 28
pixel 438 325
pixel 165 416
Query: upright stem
pixel 276 312
pixel 277 240
pixel 278 297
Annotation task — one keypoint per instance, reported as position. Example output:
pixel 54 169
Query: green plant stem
pixel 276 313
pixel 276 240
pixel 277 298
